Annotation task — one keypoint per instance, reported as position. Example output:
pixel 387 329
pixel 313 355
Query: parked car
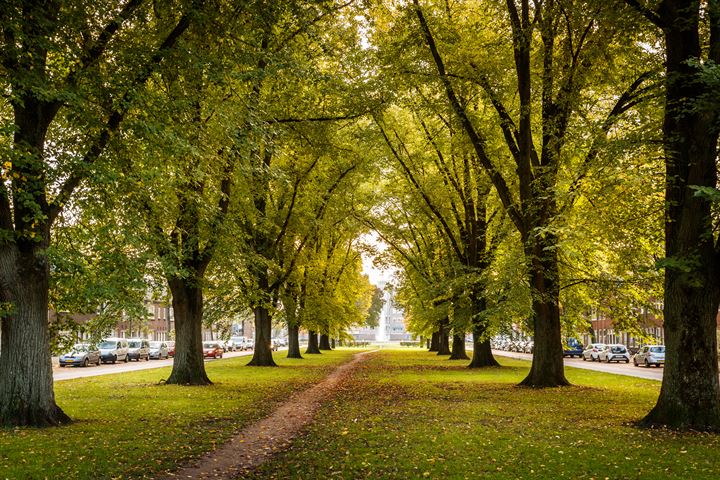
pixel 572 348
pixel 159 350
pixel 138 349
pixel 212 349
pixel 171 347
pixel 592 352
pixel 614 353
pixel 81 355
pixel 229 345
pixel 239 343
pixel 249 343
pixel 114 350
pixel 650 355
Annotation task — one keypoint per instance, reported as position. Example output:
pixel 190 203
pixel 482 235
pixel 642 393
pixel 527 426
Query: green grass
pixel 130 426
pixel 411 414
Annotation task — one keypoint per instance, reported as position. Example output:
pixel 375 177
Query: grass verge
pixel 411 414
pixel 130 426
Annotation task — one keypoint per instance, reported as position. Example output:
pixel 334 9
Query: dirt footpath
pixel 258 442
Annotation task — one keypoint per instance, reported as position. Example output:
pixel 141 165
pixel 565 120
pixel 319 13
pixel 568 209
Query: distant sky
pixel 375 275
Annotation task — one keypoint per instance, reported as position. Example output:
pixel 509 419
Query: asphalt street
pixel 66 373
pixel 652 373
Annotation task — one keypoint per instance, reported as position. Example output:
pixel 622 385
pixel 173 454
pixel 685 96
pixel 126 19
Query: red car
pixel 171 348
pixel 212 350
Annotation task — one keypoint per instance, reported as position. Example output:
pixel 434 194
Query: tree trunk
pixel 434 345
pixel 458 347
pixel 312 343
pixel 443 338
pixel 26 381
pixel 325 342
pixel 690 394
pixel 482 352
pixel 262 352
pixel 189 364
pixel 294 342
pixel 332 343
pixel 548 369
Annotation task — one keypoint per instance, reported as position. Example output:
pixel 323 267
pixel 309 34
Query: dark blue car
pixel 572 348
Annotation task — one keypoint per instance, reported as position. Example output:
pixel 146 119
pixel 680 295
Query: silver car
pixel 81 355
pixel 159 350
pixel 614 353
pixel 650 355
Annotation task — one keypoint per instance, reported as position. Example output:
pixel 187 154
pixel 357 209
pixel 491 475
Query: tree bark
pixel 27 397
pixel 312 343
pixel 189 364
pixel 325 342
pixel 444 338
pixel 458 347
pixel 482 352
pixel 690 394
pixel 294 342
pixel 262 352
pixel 332 344
pixel 26 381
pixel 434 342
pixel 548 369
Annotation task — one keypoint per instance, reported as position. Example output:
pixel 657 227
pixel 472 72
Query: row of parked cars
pixel 647 355
pixel 113 350
pixel 509 345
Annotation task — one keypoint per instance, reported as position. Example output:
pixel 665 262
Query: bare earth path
pixel 256 443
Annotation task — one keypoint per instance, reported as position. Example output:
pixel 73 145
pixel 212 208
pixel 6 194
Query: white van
pixel 113 350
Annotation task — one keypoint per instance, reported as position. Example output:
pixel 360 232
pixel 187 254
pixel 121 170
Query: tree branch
pixel 82 170
pixel 477 141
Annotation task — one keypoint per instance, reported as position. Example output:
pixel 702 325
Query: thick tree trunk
pixel 188 364
pixel 325 342
pixel 26 381
pixel 482 352
pixel 332 343
pixel 312 343
pixel 690 394
pixel 458 347
pixel 548 369
pixel 262 352
pixel 294 342
pixel 434 344
pixel 444 338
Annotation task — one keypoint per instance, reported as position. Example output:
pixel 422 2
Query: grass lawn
pixel 130 426
pixel 412 414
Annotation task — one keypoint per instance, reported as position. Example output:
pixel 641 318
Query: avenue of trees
pixel 523 163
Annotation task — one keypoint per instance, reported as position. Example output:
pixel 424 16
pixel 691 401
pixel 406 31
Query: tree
pixel 690 394
pixel 570 39
pixel 67 100
pixel 457 206
pixel 376 305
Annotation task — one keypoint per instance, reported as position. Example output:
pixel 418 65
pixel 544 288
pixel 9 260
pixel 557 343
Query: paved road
pixel 652 373
pixel 66 373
